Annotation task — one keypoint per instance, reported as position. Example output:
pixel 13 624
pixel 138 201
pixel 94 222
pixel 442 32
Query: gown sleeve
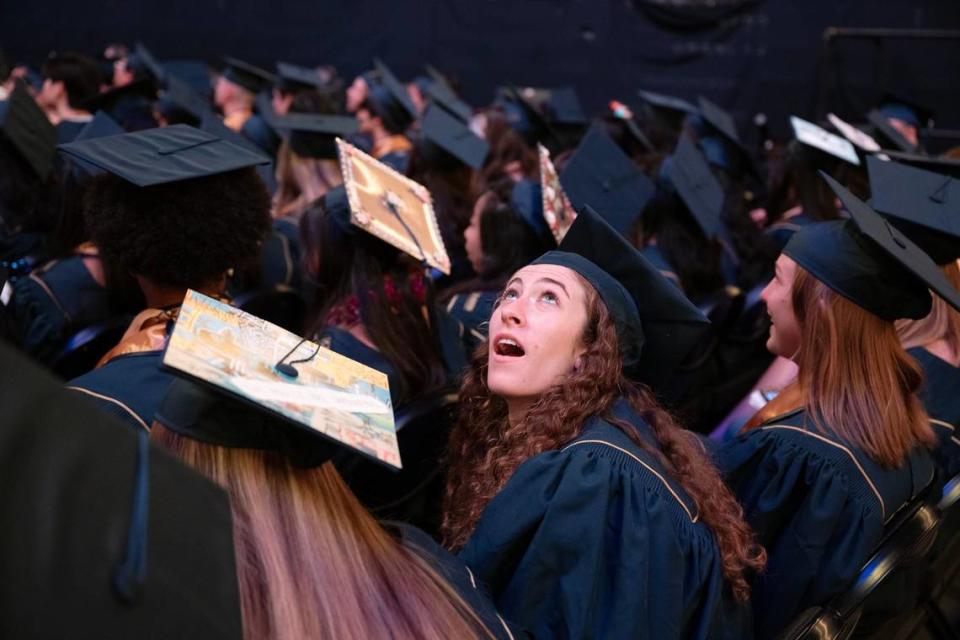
pixel 817 519
pixel 586 543
pixel 40 323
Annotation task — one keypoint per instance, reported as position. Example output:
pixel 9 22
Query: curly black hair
pixel 180 234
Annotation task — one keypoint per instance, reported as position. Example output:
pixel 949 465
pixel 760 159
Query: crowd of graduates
pixel 648 381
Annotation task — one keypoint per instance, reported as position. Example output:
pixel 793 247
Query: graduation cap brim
pixel 671 324
pixel 946 166
pixel 396 88
pixel 151 63
pixel 251 77
pixel 292 77
pixel 27 128
pixel 888 133
pixel 314 135
pixel 923 198
pixel 698 188
pixel 600 174
pixel 894 243
pixel 446 98
pixel 160 156
pixel 721 120
pixel 392 207
pixel 452 135
pixel 669 103
pixel 69 472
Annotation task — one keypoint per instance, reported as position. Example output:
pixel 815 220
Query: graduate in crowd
pixel 70 81
pixel 76 287
pixel 236 89
pixel 571 493
pixel 825 466
pixel 202 185
pixel 311 561
pixel 374 301
pixel 307 169
pixel 507 231
pixel 925 207
pixel 384 114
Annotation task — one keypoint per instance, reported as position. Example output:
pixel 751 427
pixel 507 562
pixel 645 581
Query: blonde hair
pixel 301 180
pixel 312 562
pixel 943 322
pixel 855 376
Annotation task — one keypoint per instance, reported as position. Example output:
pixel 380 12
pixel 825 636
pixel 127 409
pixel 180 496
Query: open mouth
pixel 508 347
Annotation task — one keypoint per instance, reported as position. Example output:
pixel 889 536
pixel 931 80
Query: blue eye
pixel 549 297
pixel 509 294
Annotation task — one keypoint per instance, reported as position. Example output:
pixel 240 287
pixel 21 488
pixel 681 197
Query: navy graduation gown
pixel 53 301
pixel 458 576
pixel 280 255
pixel 941 398
pixel 473 310
pixel 597 541
pixel 818 505
pixel 129 386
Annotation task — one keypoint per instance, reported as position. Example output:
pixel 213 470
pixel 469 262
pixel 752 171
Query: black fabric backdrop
pixel 767 58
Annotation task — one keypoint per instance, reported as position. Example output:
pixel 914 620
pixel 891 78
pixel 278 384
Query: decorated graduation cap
pixel 887 134
pixel 292 78
pixel 251 77
pixel 870 262
pixel 117 537
pixel 819 138
pixel 860 139
pixel 391 206
pixel 601 175
pixel 907 110
pixel 314 135
pixel 26 127
pixel 254 385
pixel 443 132
pixel 656 324
pixel 160 156
pixel 558 213
pixel 924 205
pixel 689 174
pixel 389 99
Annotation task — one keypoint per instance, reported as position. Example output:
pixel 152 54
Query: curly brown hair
pixel 485 449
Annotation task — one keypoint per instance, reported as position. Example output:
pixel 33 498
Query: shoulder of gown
pixel 280 254
pixel 597 541
pixel 940 395
pixel 129 386
pixel 473 309
pixel 818 505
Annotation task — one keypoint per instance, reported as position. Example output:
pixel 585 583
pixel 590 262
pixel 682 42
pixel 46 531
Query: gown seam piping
pixel 114 401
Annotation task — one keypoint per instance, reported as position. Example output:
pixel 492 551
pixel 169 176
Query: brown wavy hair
pixel 855 376
pixel 485 449
pixel 313 563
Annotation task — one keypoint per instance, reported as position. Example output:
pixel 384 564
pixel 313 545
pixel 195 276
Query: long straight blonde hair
pixel 855 376
pixel 943 323
pixel 312 562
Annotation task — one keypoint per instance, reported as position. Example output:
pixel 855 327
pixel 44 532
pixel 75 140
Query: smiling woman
pixel 571 493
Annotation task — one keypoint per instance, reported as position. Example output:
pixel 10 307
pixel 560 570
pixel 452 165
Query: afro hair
pixel 183 234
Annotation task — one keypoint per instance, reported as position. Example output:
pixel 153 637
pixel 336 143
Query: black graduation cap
pixel 870 262
pixel 389 98
pixel 910 111
pixel 252 78
pixel 527 118
pixel 657 325
pixel 948 166
pixel 101 534
pixel 688 172
pixel 314 135
pixel 924 205
pixel 442 95
pixel 668 103
pixel 100 126
pixel 623 113
pixel 25 125
pixel 562 106
pixel 601 175
pixel 526 198
pixel 158 156
pixel 147 60
pixel 181 100
pixel 887 133
pixel 144 88
pixel 195 73
pixel 438 127
pixel 719 119
pixel 292 78
pixel 213 124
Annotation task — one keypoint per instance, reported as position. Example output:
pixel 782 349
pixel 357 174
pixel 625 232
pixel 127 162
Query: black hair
pixel 344 263
pixel 696 258
pixel 180 234
pixel 80 75
pixel 28 203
